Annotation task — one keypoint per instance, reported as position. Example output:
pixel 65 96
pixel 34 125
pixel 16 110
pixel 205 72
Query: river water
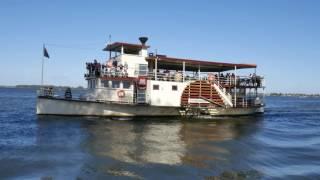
pixel 284 143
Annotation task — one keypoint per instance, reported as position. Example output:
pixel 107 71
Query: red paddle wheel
pixel 203 92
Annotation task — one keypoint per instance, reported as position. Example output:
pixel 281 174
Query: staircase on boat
pixel 226 97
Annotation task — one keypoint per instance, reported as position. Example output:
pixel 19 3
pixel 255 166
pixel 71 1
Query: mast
pixel 45 54
pixel 235 86
pixel 109 43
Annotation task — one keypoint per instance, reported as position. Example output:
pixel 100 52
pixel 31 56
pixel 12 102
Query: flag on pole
pixel 45 52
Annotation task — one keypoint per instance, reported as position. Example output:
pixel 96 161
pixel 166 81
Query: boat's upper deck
pixel 163 68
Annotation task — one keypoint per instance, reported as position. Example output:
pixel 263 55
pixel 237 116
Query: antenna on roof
pixel 143 40
pixel 109 38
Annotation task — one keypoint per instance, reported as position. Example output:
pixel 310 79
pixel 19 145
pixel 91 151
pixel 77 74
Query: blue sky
pixel 281 36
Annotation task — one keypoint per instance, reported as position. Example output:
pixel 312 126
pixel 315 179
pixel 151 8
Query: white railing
pixel 176 77
pixel 115 73
pixel 243 81
pixel 249 100
pixel 46 91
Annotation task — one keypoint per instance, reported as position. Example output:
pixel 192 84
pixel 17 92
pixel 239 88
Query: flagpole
pixel 42 72
pixel 42 67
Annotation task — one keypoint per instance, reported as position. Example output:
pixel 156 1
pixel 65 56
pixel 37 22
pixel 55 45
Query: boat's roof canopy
pixel 128 47
pixel 171 63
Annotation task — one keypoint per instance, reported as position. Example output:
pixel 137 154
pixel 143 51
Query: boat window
pixel 105 83
pixel 126 84
pixel 174 87
pixel 143 69
pixel 155 87
pixel 115 84
pixel 93 83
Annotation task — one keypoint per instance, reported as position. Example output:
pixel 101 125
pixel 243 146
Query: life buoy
pixel 121 93
pixel 142 82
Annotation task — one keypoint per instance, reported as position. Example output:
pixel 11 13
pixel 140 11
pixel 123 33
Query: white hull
pixel 52 106
pixel 236 111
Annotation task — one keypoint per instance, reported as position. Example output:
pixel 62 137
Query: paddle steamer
pixel 133 82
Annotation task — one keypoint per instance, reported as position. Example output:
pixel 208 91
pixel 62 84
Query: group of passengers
pixel 115 69
pixel 229 79
pixel 166 75
pixel 94 68
pixel 253 80
pixel 112 68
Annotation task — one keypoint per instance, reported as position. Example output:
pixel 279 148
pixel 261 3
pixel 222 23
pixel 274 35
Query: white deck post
pixel 199 73
pixel 156 69
pixel 183 71
pixel 42 71
pixel 256 90
pixel 122 50
pixel 235 86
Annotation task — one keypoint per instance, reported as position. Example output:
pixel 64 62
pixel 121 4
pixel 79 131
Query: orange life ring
pixel 121 93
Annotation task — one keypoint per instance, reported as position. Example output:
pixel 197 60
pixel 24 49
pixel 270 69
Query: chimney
pixel 143 40
pixel 144 49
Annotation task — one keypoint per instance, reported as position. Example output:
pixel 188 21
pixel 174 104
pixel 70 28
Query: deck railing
pixel 223 82
pixel 241 81
pixel 249 100
pixel 46 91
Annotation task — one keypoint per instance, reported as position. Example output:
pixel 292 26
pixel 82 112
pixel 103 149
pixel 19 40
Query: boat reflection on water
pixel 220 144
pixel 101 148
pixel 138 142
pixel 170 142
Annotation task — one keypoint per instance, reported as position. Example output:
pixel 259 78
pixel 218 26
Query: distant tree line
pixel 294 94
pixel 55 87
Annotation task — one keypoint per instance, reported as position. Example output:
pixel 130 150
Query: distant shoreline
pixel 82 88
pixel 293 94
pixel 38 86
